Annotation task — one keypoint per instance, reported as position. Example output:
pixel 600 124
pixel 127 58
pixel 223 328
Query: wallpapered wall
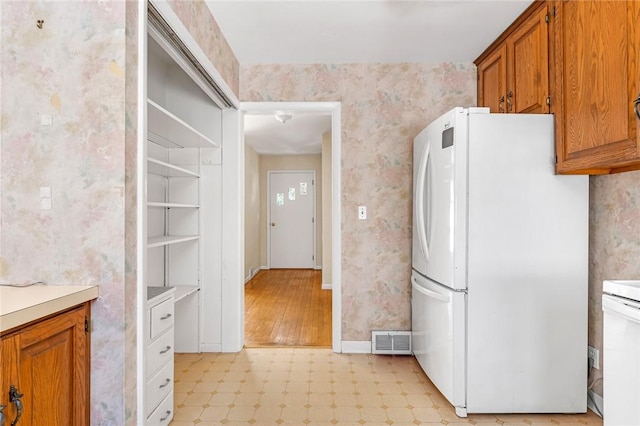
pixel 73 69
pixel 383 107
pixel 614 245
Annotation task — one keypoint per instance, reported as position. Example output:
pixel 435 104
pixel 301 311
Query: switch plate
pixel 593 356
pixel 362 212
pixel 46 120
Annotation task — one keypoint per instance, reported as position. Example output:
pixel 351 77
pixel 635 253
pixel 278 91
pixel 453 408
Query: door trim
pixel 335 109
pixel 315 212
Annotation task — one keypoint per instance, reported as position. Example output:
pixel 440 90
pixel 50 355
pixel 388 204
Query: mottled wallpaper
pixel 196 17
pixel 614 245
pixel 72 72
pixel 383 107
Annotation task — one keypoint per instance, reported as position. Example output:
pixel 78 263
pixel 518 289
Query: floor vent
pixel 391 342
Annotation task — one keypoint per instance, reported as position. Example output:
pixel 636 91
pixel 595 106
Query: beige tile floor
pixel 305 386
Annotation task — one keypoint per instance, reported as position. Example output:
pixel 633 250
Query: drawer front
pixel 159 353
pixel 163 414
pixel 159 386
pixel 161 317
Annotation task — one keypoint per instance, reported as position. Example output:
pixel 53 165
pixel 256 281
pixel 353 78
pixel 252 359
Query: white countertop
pixel 21 305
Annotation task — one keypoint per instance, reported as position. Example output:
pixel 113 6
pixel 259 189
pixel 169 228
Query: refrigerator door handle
pixel 420 211
pixel 429 293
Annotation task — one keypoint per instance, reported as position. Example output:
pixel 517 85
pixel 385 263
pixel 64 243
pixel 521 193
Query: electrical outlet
pixel 593 355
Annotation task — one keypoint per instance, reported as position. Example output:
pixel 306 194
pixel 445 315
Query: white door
pixel 291 219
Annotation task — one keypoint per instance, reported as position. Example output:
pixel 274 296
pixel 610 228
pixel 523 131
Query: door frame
pixel 314 208
pixel 335 109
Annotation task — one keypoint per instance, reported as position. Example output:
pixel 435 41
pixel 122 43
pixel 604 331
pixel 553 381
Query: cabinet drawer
pixel 159 386
pixel 159 353
pixel 161 317
pixel 163 414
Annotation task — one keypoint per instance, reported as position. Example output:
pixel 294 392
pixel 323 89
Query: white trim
pixel 250 276
pixel 232 232
pixel 327 286
pixel 594 397
pixel 210 347
pixel 264 268
pixel 318 267
pixel 163 7
pixel 356 347
pixel 141 215
pixel 314 208
pixel 335 109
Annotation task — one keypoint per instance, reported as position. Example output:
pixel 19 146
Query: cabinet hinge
pixel 86 324
pixel 554 11
pixel 546 18
pixel 549 100
pixel 313 220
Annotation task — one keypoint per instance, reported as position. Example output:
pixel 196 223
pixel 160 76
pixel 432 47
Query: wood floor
pixel 287 307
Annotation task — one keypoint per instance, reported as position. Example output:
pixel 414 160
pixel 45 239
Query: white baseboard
pixel 255 272
pixel 211 347
pixel 356 347
pixel 594 397
pixel 265 267
pixel 327 286
pixel 318 267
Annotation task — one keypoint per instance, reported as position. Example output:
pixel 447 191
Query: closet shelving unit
pixel 182 128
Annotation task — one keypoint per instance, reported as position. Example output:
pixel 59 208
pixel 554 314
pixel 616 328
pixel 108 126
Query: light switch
pixel 46 120
pixel 45 198
pixel 362 212
pixel 45 192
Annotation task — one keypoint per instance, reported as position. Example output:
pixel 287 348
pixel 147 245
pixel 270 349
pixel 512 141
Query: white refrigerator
pixel 500 252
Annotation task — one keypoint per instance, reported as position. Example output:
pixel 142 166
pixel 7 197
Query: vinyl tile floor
pixel 310 386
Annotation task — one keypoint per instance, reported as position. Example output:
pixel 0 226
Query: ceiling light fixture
pixel 283 117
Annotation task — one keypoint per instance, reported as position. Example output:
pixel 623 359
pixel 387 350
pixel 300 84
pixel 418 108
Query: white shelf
pixel 170 131
pixel 161 168
pixel 184 291
pixel 173 205
pixel 166 240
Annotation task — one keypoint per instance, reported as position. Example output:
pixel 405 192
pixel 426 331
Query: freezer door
pixel 439 194
pixel 438 336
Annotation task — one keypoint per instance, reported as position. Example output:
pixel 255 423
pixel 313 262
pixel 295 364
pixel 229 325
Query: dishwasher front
pixel 621 357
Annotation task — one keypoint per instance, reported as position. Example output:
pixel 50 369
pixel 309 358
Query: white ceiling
pixel 364 31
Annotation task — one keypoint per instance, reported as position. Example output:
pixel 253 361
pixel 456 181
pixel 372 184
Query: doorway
pixel 332 261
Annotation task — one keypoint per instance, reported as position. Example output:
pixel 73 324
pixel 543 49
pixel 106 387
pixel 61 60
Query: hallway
pixel 287 307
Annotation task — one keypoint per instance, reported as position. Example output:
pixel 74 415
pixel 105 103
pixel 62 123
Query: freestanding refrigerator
pixel 500 252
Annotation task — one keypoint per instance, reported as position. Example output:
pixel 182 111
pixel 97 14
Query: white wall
pixel 252 241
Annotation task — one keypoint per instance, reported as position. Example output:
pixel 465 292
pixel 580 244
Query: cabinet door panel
pixel 492 81
pixel 595 82
pixel 49 367
pixel 528 74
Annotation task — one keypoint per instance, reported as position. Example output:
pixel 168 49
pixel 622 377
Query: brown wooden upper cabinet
pixel 596 85
pixel 513 73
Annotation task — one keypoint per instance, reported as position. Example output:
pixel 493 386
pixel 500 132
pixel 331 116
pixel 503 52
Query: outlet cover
pixel 593 355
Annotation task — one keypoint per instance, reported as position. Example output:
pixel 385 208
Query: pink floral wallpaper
pixel 79 71
pixel 383 107
pixel 614 244
pixel 195 15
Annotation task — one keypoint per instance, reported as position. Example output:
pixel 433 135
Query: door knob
pixel 273 224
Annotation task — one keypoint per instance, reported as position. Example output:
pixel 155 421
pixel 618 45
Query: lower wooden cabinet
pixel 44 375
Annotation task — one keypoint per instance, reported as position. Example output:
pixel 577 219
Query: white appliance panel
pixel 438 216
pixel 621 356
pixel 438 336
